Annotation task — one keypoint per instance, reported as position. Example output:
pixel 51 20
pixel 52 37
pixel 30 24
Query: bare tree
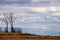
pixel 9 18
pixel 11 21
pixel 5 20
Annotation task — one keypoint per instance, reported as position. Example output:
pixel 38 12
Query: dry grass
pixel 17 36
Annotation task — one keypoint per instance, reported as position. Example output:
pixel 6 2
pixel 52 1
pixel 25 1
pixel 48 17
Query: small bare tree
pixel 11 21
pixel 5 20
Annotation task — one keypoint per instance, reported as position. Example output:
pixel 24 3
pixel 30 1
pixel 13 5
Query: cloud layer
pixel 34 16
pixel 31 2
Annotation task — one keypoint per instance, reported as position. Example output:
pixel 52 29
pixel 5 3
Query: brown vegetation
pixel 23 36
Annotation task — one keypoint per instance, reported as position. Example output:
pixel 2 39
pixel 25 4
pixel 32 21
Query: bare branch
pixel 5 20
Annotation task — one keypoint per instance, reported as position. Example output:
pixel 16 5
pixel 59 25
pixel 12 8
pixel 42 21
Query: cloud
pixel 1 16
pixel 36 0
pixel 12 0
pixel 37 9
pixel 45 2
pixel 55 14
pixel 31 2
pixel 28 15
pixel 36 18
pixel 41 15
pixel 22 11
pixel 44 27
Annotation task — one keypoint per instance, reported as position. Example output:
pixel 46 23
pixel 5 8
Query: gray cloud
pixel 31 2
pixel 34 17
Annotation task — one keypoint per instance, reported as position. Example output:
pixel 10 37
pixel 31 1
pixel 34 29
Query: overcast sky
pixel 34 16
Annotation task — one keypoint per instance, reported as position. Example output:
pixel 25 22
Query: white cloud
pixel 23 9
pixel 36 1
pixel 11 8
pixel 38 26
pixel 34 19
pixel 55 14
pixel 53 8
pixel 21 14
pixel 23 19
pixel 39 9
pixel 24 12
pixel 1 16
pixel 42 9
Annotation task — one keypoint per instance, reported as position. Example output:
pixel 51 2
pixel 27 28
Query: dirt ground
pixel 8 38
pixel 25 38
pixel 14 36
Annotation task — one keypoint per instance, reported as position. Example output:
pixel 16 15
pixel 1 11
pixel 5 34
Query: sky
pixel 41 17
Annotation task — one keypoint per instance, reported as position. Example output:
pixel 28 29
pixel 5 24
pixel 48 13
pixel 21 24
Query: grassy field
pixel 17 36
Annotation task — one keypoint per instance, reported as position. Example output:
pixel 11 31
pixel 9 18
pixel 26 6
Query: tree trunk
pixel 12 29
pixel 6 28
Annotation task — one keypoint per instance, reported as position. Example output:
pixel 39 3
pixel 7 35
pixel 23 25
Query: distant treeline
pixel 19 30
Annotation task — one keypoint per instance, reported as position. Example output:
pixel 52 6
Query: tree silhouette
pixel 11 19
pixel 0 29
pixel 8 18
pixel 19 30
pixel 5 20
